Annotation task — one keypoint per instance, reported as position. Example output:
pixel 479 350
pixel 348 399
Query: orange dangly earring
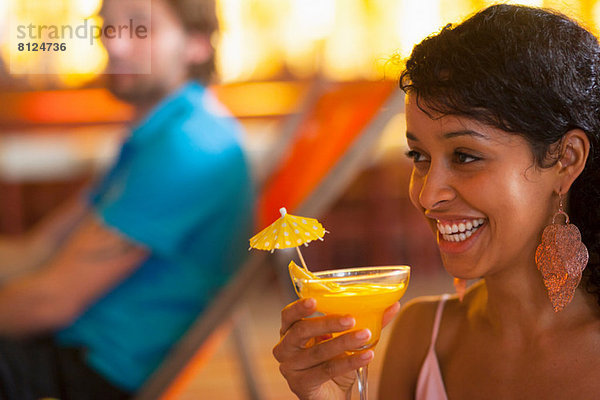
pixel 461 286
pixel 561 258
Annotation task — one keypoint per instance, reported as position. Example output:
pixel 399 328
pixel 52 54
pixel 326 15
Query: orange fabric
pixel 324 135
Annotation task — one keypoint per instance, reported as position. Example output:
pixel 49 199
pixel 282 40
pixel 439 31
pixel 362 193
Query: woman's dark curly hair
pixel 529 71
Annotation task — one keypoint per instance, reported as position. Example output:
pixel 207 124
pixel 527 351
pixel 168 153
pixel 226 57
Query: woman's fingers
pixel 340 368
pixel 390 313
pixel 308 333
pixel 309 356
pixel 296 311
pixel 302 331
pixel 306 342
pixel 323 352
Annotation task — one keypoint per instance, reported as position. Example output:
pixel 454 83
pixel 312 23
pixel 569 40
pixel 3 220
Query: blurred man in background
pixel 96 295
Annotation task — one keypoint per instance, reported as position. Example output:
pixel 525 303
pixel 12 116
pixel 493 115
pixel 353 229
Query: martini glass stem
pixel 301 259
pixel 361 373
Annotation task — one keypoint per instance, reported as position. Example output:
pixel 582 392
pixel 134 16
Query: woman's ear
pixel 574 151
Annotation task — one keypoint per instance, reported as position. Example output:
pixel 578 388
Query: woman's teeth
pixel 459 232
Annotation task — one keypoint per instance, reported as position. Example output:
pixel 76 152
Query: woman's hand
pixel 315 366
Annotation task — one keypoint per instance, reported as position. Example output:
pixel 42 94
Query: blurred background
pixel 60 128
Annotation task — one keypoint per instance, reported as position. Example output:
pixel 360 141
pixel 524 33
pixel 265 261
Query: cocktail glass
pixel 363 292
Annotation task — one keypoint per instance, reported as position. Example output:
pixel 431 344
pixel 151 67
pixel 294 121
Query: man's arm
pixel 91 261
pixel 27 252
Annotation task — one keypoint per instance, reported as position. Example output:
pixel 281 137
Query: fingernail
pixel 363 334
pixel 367 355
pixel 347 321
pixel 308 303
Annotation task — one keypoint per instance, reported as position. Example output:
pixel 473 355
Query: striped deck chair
pixel 329 144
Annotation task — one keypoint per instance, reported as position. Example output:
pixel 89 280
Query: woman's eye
pixel 464 158
pixel 415 156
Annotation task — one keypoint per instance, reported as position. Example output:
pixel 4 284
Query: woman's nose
pixel 436 189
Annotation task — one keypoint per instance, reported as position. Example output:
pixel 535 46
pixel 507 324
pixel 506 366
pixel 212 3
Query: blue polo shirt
pixel 180 187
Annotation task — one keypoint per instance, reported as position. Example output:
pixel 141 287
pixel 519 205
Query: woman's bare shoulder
pixel 407 346
pixel 420 310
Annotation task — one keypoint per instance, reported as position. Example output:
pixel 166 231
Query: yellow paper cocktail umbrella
pixel 288 231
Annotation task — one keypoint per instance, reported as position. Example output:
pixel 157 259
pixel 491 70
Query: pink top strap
pixel 438 318
pixel 430 384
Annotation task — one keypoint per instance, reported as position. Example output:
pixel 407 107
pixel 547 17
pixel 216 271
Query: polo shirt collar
pixel 174 104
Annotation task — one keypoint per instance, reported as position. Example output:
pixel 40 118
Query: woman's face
pixel 480 190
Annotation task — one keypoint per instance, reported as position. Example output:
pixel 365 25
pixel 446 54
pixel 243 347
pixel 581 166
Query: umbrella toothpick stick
pixel 301 258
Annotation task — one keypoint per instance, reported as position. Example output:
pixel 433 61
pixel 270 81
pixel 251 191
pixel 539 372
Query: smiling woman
pixel 546 105
pixel 504 134
pixel 502 125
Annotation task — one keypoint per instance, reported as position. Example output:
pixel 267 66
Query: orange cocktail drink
pixel 364 293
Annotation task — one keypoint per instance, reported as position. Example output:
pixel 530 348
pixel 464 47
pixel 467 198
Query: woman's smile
pixel 458 235
pixel 458 231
